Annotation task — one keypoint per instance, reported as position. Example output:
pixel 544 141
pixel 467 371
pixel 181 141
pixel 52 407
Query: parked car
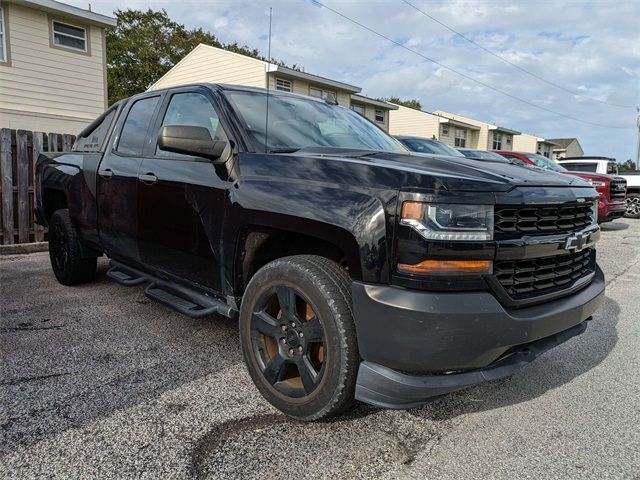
pixel 485 155
pixel 356 269
pixel 612 188
pixel 427 145
pixel 609 165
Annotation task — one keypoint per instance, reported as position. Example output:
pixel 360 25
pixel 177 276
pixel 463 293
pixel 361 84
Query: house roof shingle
pixel 562 142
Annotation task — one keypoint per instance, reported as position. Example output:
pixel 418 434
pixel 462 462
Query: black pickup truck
pixel 357 269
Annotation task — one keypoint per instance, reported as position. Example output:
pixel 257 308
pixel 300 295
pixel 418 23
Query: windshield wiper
pixel 283 150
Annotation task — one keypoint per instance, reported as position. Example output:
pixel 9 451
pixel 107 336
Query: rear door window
pixel 134 131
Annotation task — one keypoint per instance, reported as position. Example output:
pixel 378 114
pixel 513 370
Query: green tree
pixel 627 165
pixel 411 103
pixel 145 45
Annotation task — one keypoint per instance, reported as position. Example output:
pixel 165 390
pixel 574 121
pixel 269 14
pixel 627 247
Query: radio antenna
pixel 266 126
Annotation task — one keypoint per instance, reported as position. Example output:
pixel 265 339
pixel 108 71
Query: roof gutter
pixel 289 72
pixel 54 7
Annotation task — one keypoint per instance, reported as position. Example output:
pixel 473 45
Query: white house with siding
pixel 533 144
pixel 566 147
pixel 409 121
pixel 215 65
pixel 489 136
pixel 52 65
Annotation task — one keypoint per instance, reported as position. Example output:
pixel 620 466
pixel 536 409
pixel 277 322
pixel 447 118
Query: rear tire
pixel 298 336
pixel 633 205
pixel 68 265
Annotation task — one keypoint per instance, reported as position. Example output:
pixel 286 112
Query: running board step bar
pixel 125 277
pixel 185 300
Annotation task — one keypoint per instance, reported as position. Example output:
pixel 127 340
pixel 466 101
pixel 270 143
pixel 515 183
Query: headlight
pixel 594 212
pixel 596 183
pixel 449 221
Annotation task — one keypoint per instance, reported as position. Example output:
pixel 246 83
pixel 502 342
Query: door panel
pixel 181 198
pixel 180 219
pixel 117 210
pixel 117 182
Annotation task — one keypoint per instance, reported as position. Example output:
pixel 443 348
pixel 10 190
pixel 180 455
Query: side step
pixel 185 300
pixel 124 276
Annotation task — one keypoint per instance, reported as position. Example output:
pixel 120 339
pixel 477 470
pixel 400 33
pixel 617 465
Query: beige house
pixel 210 64
pixel 533 144
pixel 489 136
pixel 52 66
pixel 566 147
pixel 409 121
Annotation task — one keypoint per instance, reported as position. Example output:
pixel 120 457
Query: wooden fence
pixel 19 150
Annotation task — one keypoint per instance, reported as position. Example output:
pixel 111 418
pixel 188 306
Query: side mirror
pixel 190 140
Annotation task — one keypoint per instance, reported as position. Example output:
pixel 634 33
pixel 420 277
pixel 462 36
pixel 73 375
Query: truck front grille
pixel 513 221
pixel 538 276
pixel 618 188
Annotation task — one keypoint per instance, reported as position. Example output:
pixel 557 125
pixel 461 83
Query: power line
pixel 535 75
pixel 464 75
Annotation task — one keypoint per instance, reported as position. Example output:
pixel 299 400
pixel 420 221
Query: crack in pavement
pixel 19 380
pixel 26 329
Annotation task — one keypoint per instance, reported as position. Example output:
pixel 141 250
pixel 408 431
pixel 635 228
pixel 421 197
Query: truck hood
pixel 453 173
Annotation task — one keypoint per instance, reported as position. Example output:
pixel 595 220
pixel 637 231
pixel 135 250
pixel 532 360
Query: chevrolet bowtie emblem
pixel 577 242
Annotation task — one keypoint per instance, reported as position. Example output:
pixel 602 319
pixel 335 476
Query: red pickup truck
pixel 612 188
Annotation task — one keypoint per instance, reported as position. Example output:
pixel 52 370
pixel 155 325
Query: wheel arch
pixel 258 244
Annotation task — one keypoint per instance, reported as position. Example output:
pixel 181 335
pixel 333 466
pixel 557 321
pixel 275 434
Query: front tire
pixel 633 205
pixel 68 265
pixel 298 336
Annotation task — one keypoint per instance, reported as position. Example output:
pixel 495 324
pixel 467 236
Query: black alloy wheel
pixel 298 336
pixel 288 341
pixel 67 261
pixel 58 251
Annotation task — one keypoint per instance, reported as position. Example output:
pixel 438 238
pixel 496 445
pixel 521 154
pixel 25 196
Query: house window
pixel 508 137
pixel 461 138
pixel 284 85
pixel 497 141
pixel 321 93
pixel 358 108
pixel 3 39
pixel 69 36
pixel 379 115
pixel 444 130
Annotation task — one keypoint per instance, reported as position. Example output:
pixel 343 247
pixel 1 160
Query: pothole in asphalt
pixel 368 443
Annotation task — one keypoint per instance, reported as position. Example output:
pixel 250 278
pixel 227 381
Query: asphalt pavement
pixel 98 381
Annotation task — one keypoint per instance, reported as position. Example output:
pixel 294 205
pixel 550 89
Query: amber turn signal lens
pixel 412 211
pixel 447 266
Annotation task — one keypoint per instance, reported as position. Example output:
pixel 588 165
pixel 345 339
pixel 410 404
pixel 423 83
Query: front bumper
pixel 610 210
pixel 411 341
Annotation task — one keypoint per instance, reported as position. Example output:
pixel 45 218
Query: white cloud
pixel 592 48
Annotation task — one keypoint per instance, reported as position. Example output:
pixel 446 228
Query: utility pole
pixel 638 146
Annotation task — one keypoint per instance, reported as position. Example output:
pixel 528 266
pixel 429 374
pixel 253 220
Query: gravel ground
pixel 98 381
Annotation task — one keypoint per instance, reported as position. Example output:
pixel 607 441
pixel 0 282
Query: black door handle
pixel 148 178
pixel 107 173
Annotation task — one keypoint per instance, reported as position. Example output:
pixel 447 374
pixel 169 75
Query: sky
pixel 588 47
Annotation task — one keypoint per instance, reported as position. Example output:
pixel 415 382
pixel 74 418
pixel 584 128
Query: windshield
pixel 296 123
pixel 544 162
pixel 482 155
pixel 424 145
